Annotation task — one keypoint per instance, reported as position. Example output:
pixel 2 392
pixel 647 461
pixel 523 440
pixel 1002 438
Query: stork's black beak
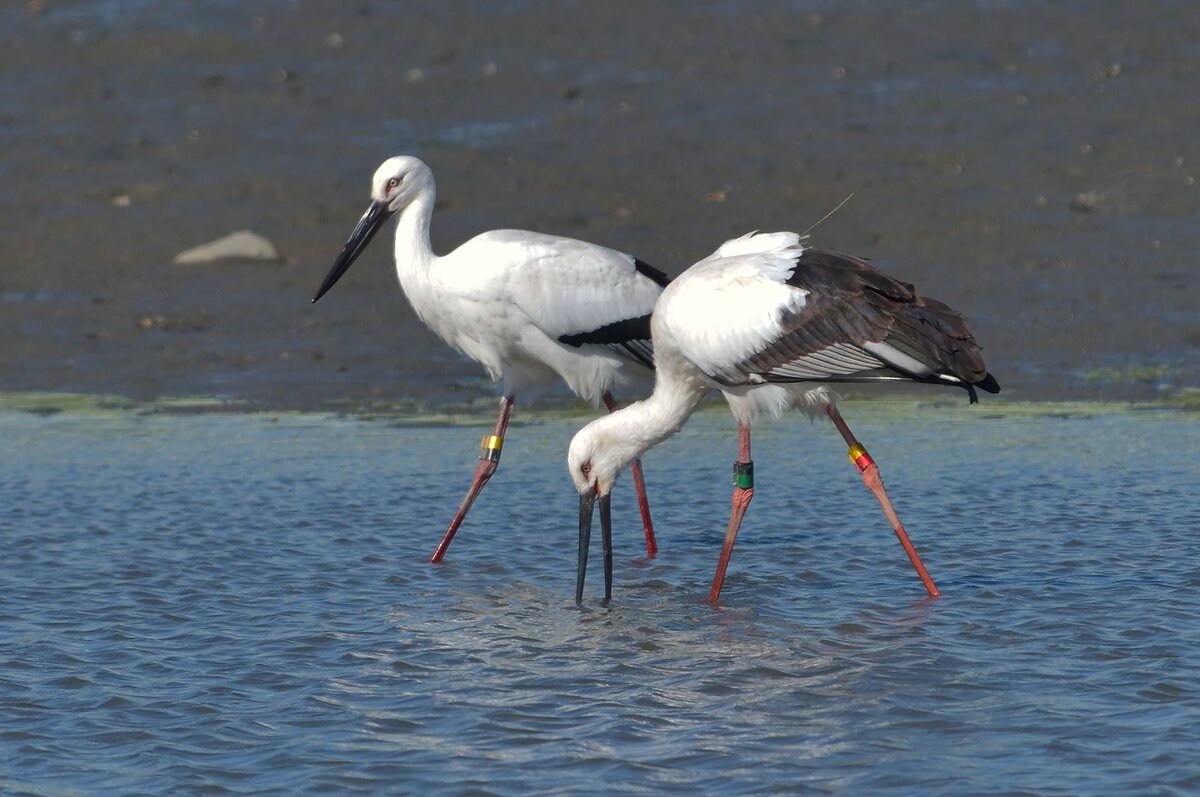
pixel 587 502
pixel 370 224
pixel 606 542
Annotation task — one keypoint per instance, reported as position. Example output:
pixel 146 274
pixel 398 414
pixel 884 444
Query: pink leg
pixel 870 473
pixel 743 492
pixel 639 485
pixel 489 460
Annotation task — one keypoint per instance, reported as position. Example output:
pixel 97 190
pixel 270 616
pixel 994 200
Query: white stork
pixel 761 319
pixel 528 307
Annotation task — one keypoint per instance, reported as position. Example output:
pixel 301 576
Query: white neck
pixel 414 254
pixel 644 424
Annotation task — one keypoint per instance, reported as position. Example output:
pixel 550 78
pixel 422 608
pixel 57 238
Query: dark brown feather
pixel 850 301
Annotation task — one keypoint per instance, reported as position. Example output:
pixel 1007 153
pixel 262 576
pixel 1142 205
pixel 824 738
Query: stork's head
pixel 400 180
pixel 597 454
pixel 397 183
pixel 591 462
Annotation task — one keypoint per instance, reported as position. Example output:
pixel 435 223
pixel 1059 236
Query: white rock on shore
pixel 241 244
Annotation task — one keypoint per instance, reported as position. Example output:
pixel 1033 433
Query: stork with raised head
pixel 530 308
pixel 761 319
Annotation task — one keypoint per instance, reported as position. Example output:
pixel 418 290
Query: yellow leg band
pixel 490 447
pixel 859 456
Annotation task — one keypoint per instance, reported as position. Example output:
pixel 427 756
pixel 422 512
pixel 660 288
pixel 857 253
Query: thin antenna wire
pixel 827 215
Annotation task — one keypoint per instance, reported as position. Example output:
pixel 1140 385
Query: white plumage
pixel 727 307
pixel 504 298
pixel 761 319
pixel 528 307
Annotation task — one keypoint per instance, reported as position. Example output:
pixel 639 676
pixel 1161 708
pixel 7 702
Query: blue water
pixel 239 603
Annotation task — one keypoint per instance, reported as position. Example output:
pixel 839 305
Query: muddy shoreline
pixel 1033 164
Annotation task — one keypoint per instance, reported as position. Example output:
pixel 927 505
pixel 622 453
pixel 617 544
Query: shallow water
pixel 228 603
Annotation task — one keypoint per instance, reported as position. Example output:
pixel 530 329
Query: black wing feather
pixel 654 275
pixel 629 338
pixel 851 302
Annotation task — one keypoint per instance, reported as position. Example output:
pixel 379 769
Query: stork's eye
pixel 586 468
pixel 392 183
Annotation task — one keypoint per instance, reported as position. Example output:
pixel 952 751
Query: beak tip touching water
pixel 587 502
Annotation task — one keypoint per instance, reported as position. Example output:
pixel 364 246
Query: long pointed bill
pixel 606 543
pixel 587 502
pixel 370 224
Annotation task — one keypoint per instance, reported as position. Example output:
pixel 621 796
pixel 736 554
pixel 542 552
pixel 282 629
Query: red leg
pixel 873 482
pixel 489 460
pixel 743 493
pixel 639 486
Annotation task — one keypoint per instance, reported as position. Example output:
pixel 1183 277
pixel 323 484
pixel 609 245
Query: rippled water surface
pixel 240 603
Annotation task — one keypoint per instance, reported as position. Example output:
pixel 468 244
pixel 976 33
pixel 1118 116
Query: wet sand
pixel 1034 165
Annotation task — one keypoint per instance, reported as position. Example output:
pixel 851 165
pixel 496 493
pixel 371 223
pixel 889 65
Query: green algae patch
pixel 84 404
pixel 898 409
pixel 482 412
pixel 1187 399
pixel 1147 373
pixel 1173 381
pixel 71 403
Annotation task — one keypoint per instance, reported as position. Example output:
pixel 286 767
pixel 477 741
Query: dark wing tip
pixel 653 274
pixel 989 384
pixel 623 331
